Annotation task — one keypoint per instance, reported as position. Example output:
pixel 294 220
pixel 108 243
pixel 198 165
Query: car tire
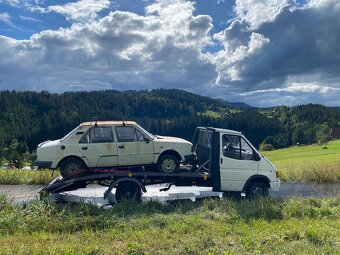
pixel 168 164
pixel 257 189
pixel 128 191
pixel 71 167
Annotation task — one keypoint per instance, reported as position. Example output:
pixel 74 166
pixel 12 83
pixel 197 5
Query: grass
pixel 34 177
pixel 292 226
pixel 310 163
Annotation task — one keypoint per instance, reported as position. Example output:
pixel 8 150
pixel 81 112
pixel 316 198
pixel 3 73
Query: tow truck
pixel 225 160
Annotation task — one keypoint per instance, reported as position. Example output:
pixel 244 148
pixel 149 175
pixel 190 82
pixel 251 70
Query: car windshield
pixel 69 134
pixel 147 133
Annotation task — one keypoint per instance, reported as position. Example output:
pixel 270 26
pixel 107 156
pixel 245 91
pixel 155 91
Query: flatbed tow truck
pixel 225 160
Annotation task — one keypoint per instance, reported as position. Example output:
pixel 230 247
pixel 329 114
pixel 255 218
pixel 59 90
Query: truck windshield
pixel 69 134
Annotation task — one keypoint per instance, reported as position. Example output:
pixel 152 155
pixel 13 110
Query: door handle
pixel 84 148
pixel 221 160
pixel 121 146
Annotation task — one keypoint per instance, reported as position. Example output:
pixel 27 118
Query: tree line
pixel 29 118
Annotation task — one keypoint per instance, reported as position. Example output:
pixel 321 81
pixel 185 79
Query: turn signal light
pixel 277 174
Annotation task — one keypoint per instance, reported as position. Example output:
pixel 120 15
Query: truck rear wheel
pixel 128 191
pixel 168 164
pixel 257 189
pixel 71 167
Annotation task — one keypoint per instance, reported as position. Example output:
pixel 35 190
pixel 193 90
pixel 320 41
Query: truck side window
pixel 236 147
pixel 129 134
pixel 98 135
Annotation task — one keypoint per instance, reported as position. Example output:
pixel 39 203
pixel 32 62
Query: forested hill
pixel 28 118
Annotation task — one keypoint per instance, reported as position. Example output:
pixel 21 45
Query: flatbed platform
pixel 111 178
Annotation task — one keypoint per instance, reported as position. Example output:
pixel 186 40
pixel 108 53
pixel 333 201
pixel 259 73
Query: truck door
pixel 99 147
pixel 134 147
pixel 237 162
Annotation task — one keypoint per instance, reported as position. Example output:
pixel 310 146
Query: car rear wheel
pixel 71 167
pixel 168 164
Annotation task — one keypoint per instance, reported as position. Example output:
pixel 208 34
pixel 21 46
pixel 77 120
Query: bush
pixel 266 147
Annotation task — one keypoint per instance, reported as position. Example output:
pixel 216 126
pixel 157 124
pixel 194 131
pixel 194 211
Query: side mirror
pixel 256 157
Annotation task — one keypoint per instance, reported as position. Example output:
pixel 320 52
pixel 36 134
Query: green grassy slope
pixel 292 226
pixel 313 163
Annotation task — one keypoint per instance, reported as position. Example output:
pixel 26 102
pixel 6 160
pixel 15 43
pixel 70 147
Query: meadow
pixel 312 163
pixel 264 226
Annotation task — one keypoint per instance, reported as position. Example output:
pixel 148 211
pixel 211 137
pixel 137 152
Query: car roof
pixel 108 122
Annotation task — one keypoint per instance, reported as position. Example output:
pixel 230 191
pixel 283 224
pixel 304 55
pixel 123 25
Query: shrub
pixel 266 147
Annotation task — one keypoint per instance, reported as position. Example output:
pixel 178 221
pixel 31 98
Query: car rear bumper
pixel 43 164
pixel 275 186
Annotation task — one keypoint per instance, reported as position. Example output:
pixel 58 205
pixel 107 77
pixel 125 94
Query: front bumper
pixel 43 164
pixel 275 186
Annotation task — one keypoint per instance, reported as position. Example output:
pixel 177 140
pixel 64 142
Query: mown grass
pixel 292 226
pixel 34 177
pixel 312 163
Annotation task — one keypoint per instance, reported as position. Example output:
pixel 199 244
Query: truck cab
pixel 234 163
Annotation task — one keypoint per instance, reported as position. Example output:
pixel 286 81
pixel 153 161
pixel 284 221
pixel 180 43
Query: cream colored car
pixel 112 144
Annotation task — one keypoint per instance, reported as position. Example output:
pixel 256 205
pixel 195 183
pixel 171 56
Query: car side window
pixel 129 134
pixel 98 135
pixel 236 147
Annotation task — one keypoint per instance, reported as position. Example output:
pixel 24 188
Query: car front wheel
pixel 168 164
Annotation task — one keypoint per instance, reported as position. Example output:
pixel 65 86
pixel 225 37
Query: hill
pixel 28 118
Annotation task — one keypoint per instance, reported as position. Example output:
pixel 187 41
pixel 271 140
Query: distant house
pixel 335 133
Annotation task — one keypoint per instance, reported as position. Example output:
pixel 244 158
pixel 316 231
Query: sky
pixel 261 52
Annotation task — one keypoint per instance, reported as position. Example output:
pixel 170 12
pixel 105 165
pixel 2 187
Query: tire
pixel 257 189
pixel 128 191
pixel 168 164
pixel 71 167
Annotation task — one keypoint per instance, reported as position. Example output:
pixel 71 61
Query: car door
pixel 134 147
pixel 237 162
pixel 98 146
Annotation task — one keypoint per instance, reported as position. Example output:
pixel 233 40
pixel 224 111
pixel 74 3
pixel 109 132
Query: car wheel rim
pixel 72 168
pixel 168 165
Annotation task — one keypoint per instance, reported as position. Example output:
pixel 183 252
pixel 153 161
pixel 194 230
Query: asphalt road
pixel 94 193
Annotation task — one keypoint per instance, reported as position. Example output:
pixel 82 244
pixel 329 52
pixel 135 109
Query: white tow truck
pixel 225 160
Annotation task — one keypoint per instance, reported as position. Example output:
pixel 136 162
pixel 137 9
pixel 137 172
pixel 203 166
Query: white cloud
pixel 26 18
pixel 278 47
pixel 257 12
pixel 80 11
pixel 6 18
pixel 121 51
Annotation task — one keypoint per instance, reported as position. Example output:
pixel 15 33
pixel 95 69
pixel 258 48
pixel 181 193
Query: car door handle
pixel 84 148
pixel 121 146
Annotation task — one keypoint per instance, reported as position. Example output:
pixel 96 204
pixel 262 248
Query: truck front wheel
pixel 128 191
pixel 257 189
pixel 168 164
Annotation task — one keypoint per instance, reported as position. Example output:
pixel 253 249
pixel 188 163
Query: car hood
pixel 171 139
pixel 49 144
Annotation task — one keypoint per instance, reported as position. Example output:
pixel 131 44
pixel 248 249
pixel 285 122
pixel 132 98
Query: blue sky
pixel 262 52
